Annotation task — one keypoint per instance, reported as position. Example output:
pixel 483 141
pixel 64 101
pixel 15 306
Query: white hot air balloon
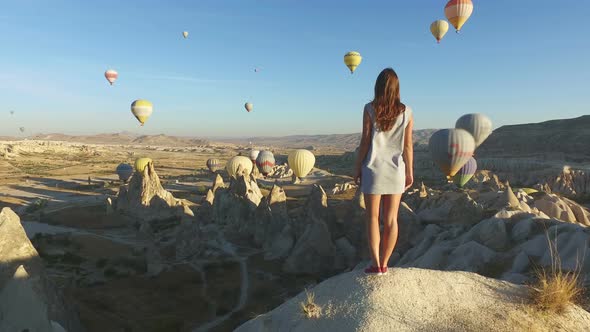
pixel 185 34
pixel 478 125
pixel 254 155
pixel 239 162
pixel 301 162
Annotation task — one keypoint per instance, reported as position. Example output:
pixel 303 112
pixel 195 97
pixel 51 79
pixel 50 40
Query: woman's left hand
pixel 409 180
pixel 357 176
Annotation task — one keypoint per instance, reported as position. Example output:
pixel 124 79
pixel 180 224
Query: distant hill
pixel 347 142
pixel 123 138
pixel 566 139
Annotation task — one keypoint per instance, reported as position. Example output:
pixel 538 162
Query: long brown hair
pixel 387 104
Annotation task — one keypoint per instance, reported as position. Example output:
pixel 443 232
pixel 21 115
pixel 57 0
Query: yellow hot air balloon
pixel 458 12
pixel 439 29
pixel 185 34
pixel 301 162
pixel 234 163
pixel 142 109
pixel 352 60
pixel 141 163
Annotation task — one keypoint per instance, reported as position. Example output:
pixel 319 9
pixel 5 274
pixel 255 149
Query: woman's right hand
pixel 357 176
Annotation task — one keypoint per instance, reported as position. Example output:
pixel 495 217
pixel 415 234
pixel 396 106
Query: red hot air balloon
pixel 111 75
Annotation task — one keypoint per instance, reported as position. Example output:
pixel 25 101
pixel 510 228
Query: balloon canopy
pixel 478 125
pixel 214 165
pixel 249 107
pixel 124 171
pixel 465 173
pixel 439 29
pixel 451 149
pixel 142 110
pixel 458 12
pixel 238 162
pixel 265 161
pixel 301 162
pixel 141 163
pixel 352 60
pixel 111 75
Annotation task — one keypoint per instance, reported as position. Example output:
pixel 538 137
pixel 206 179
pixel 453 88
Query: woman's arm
pixel 408 154
pixel 364 145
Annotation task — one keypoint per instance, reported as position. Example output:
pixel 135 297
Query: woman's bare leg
pixel 372 208
pixel 389 239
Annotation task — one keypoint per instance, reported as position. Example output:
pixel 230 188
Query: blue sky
pixel 516 61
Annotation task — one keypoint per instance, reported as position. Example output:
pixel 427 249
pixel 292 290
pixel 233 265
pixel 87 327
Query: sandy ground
pixel 97 259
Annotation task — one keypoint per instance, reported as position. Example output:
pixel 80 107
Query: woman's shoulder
pixel 408 110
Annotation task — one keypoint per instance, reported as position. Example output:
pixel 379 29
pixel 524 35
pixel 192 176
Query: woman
pixel 384 167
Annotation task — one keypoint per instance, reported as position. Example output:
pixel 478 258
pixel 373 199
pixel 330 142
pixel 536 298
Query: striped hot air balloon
pixel 451 149
pixel 458 12
pixel 478 125
pixel 301 162
pixel 124 171
pixel 465 173
pixel 142 109
pixel 214 165
pixel 234 163
pixel 265 162
pixel 111 75
pixel 352 60
pixel 141 163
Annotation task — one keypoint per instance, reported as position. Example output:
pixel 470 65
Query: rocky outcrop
pixel 147 201
pixel 563 209
pixel 416 300
pixel 510 244
pixel 341 188
pixel 26 295
pixel 450 207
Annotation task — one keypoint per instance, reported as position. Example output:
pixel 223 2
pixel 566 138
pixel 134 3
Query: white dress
pixel 383 170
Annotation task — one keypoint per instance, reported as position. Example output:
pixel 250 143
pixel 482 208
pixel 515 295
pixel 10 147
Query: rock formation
pixel 26 295
pixel 415 300
pixel 146 200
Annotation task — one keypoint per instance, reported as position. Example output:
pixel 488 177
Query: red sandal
pixel 373 270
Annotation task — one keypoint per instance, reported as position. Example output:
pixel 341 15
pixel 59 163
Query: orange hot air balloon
pixel 458 12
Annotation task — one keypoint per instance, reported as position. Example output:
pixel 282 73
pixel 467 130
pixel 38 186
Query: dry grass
pixel 555 289
pixel 309 308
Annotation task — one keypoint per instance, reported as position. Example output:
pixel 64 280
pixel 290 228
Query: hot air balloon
pixel 142 109
pixel 124 171
pixel 439 29
pixel 249 107
pixel 111 75
pixel 254 155
pixel 185 34
pixel 465 173
pixel 22 129
pixel 451 149
pixel 265 162
pixel 478 125
pixel 301 162
pixel 458 12
pixel 234 163
pixel 352 60
pixel 141 163
pixel 214 165
pixel 11 112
